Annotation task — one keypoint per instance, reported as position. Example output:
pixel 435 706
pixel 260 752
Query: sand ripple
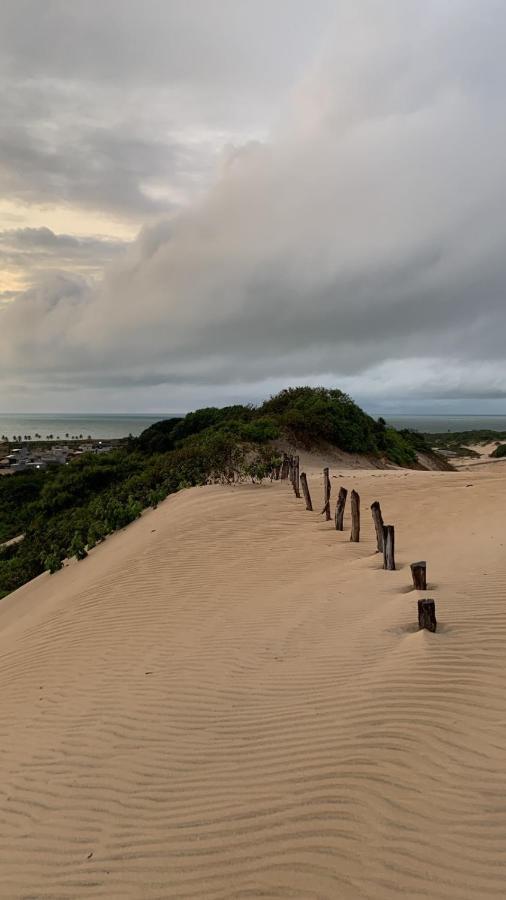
pixel 228 700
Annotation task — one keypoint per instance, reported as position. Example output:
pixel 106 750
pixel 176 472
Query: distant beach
pixel 101 426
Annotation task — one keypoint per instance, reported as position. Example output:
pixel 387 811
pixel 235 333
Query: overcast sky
pixel 202 201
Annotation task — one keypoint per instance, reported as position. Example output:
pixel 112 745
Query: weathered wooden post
pixel 419 575
pixel 326 494
pixel 305 491
pixel 341 503
pixel 295 482
pixel 389 547
pixel 427 615
pixel 355 517
pixel 285 466
pixel 378 524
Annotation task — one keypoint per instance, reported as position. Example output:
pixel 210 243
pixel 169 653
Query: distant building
pixel 21 458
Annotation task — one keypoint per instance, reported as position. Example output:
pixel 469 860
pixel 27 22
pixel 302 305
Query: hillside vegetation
pixel 303 415
pixel 63 512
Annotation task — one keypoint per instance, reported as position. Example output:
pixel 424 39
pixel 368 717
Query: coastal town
pixel 20 458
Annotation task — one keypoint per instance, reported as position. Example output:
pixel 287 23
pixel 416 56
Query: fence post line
pixel 341 503
pixel 355 517
pixel 305 491
pixel 419 575
pixel 427 615
pixel 295 481
pixel 326 494
pixel 378 524
pixel 389 547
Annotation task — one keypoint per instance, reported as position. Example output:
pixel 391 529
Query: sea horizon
pixel 113 426
pixel 65 426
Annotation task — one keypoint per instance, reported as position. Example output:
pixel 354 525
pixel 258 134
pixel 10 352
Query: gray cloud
pixel 114 170
pixel 125 107
pixel 34 252
pixel 236 45
pixel 362 242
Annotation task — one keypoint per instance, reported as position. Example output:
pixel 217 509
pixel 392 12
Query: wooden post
pixel 378 524
pixel 284 467
pixel 305 491
pixel 427 615
pixel 341 503
pixel 296 482
pixel 355 517
pixel 326 494
pixel 419 575
pixel 389 547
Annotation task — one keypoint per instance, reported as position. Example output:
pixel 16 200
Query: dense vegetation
pixel 65 511
pixel 304 415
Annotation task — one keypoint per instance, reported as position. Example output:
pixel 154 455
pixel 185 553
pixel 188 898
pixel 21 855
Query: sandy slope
pixel 228 701
pixel 484 450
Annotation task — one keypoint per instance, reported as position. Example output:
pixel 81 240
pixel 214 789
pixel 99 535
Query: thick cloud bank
pixel 364 241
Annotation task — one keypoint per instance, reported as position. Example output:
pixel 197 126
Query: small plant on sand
pixel 52 563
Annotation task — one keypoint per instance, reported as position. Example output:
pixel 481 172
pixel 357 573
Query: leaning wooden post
pixel 326 494
pixel 378 524
pixel 296 476
pixel 419 575
pixel 355 517
pixel 427 615
pixel 389 547
pixel 305 491
pixel 341 503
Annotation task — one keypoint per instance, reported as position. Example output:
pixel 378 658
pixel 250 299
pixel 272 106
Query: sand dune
pixel 228 700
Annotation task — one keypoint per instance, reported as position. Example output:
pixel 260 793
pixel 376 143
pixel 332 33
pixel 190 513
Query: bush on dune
pixel 499 451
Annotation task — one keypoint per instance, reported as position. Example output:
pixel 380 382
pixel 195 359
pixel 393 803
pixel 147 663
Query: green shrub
pixel 499 451
pixel 77 548
pixel 313 414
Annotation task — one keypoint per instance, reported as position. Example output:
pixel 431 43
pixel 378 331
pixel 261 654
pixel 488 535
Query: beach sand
pixel 230 700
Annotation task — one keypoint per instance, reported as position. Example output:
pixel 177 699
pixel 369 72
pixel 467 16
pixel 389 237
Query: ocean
pixel 100 426
pixel 119 425
pixel 442 423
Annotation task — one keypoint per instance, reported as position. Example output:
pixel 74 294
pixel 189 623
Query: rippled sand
pixel 229 700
